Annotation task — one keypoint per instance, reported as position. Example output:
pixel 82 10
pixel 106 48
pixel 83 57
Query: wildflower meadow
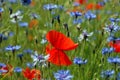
pixel 59 39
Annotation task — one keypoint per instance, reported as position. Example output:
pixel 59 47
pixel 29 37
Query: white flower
pixel 84 35
pixel 111 28
pixel 16 16
pixel 40 59
pixel 43 41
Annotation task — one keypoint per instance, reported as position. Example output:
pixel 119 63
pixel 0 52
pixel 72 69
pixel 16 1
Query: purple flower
pixel 107 74
pixel 79 61
pixel 63 75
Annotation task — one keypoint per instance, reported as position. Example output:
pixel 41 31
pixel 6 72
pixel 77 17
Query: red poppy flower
pixel 91 6
pixel 31 74
pixel 81 1
pixel 60 44
pixel 115 45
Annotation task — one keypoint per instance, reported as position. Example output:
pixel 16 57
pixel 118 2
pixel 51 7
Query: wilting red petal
pixel 59 58
pixel 60 41
pixel 9 69
pixel 32 3
pixel 33 23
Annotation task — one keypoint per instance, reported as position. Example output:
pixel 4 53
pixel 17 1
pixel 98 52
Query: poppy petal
pixel 115 45
pixel 59 58
pixel 60 41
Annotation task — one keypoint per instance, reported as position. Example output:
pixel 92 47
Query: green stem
pixel 16 35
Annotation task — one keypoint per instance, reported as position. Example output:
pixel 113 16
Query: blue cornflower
pixel 56 18
pixel 2 65
pixel 50 6
pixel 34 16
pixel 12 48
pixel 107 50
pixel 30 65
pixel 3 37
pixel 111 38
pixel 112 28
pixel 23 24
pixel 13 1
pixel 26 2
pixel 115 60
pixel 107 74
pixel 28 51
pixel 1 10
pixel 10 33
pixel 114 19
pixel 17 69
pixel 76 14
pixel 89 15
pixel 61 7
pixel 79 61
pixel 118 76
pixel 102 3
pixel 63 75
pixel 77 21
pixel 20 56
